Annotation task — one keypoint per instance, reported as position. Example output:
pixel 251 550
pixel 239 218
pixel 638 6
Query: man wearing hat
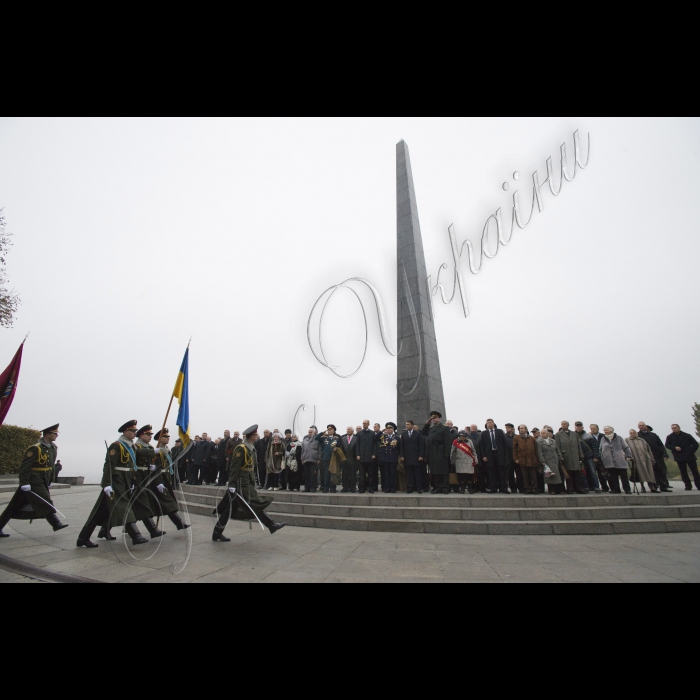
pixel 144 477
pixel 162 485
pixel 32 499
pixel 116 504
pixel 242 491
pixel 330 442
pixel 439 448
pixel 388 458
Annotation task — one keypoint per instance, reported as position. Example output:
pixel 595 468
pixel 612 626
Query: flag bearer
pixel 32 499
pixel 162 485
pixel 112 507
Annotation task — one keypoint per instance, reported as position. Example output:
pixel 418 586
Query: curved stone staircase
pixel 478 515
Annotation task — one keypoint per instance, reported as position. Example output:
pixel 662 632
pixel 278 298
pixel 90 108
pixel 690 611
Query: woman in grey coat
pixel 552 459
pixel 614 453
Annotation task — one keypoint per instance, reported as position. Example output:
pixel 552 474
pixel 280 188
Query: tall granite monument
pixel 419 378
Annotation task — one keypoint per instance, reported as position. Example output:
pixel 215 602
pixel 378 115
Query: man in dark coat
pixel 480 480
pixel 242 498
pixel 388 458
pixel 366 456
pixel 412 451
pixel 261 449
pixel 223 453
pixel 660 455
pixel 32 500
pixel 515 474
pixel 439 449
pixel 683 447
pixel 495 457
pixel 349 468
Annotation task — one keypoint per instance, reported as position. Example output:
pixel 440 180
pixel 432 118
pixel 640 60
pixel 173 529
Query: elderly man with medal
pixel 162 485
pixel 114 506
pixel 242 502
pixel 32 500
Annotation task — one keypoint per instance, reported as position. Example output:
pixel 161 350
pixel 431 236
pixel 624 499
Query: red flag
pixel 8 384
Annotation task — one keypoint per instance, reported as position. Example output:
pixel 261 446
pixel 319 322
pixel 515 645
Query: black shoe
pixel 276 527
pixel 689 489
pixel 420 493
pixel 105 534
pixel 371 493
pixel 3 535
pixel 87 544
pixel 435 492
pixel 219 537
pixel 666 490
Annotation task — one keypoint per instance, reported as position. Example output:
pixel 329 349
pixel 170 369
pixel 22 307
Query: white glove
pixel 161 489
pixel 109 491
pixel 157 450
pixel 152 467
pixel 26 488
pixel 232 492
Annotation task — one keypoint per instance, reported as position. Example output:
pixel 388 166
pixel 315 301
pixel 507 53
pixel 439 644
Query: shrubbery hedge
pixel 14 442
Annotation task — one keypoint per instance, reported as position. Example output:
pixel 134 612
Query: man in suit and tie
pixel 366 458
pixel 412 451
pixel 350 466
pixel 495 457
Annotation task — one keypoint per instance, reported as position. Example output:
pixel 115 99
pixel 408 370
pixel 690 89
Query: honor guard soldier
pixel 145 476
pixel 112 507
pixel 242 496
pixel 162 485
pixel 32 499
pixel 439 447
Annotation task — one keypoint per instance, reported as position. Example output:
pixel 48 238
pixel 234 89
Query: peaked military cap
pixel 436 414
pixel 52 429
pixel 391 425
pixel 126 426
pixel 251 431
pixel 143 430
pixel 335 430
pixel 164 433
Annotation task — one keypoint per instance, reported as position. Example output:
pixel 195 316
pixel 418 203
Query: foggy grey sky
pixel 131 235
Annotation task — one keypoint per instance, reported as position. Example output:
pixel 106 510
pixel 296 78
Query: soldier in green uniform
pixel 162 485
pixel 32 499
pixel 117 492
pixel 439 445
pixel 242 491
pixel 146 467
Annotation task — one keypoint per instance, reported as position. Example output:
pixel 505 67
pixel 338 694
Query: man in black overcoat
pixel 438 448
pixel 412 451
pixel 366 456
pixel 660 455
pixel 684 447
pixel 495 457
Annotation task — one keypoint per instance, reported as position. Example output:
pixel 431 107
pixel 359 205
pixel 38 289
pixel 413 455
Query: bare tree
pixel 9 301
pixel 696 415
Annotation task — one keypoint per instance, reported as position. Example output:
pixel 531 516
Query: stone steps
pixel 477 515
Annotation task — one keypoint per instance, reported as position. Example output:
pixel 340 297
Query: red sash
pixel 464 447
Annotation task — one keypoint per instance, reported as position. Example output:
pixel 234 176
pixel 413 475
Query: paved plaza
pixel 300 555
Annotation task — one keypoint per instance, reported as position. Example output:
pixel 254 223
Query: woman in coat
pixel 275 461
pixel 552 461
pixel 643 469
pixel 294 464
pixel 463 458
pixel 614 452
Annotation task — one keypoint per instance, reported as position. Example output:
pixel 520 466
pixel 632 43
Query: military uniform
pixel 147 508
pixel 36 472
pixel 388 459
pixel 241 470
pixel 164 475
pixel 439 448
pixel 114 509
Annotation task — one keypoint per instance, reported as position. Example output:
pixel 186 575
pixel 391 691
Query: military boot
pixel 218 535
pixel 177 521
pixel 55 522
pixel 84 539
pixel 105 534
pixel 270 524
pixel 136 537
pixel 153 531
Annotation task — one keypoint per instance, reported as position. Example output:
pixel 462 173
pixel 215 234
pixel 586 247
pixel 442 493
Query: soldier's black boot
pixel 3 535
pixel 55 523
pixel 177 521
pixel 269 523
pixel 105 534
pixel 218 535
pixel 153 531
pixel 3 521
pixel 84 539
pixel 136 537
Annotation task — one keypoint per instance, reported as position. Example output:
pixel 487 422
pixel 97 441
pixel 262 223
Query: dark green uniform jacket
pixel 37 471
pixel 118 473
pixel 167 500
pixel 241 477
pixel 439 445
pixel 146 506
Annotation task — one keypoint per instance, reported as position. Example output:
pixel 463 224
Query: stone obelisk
pixel 419 378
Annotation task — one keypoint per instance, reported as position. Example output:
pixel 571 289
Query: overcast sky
pixel 131 235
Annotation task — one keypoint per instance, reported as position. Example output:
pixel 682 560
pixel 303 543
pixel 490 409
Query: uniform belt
pixel 143 469
pixel 41 469
pixel 246 469
pixel 122 469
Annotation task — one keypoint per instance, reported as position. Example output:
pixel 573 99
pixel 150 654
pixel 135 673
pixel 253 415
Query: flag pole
pixel 170 405
pixel 25 337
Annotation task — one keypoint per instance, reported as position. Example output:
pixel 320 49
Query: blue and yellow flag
pixel 182 394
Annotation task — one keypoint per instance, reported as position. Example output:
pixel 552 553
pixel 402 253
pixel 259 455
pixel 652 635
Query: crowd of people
pixel 441 459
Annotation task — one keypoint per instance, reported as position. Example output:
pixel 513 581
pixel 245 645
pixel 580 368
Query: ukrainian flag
pixel 182 394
